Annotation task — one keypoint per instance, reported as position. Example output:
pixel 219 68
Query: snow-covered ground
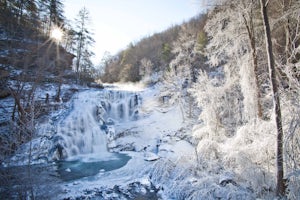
pixel 163 164
pixel 152 137
pixel 149 137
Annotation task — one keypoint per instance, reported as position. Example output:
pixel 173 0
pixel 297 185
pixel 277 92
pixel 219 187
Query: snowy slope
pixel 153 141
pixel 161 162
pixel 163 165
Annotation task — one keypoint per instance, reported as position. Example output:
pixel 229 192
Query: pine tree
pixel 84 41
pixel 56 13
pixel 51 14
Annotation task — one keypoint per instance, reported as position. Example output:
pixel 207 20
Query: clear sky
pixel 116 23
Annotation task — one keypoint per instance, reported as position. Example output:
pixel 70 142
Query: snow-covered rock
pixel 149 156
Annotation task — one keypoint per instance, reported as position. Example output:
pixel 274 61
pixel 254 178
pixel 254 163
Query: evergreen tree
pixel 84 41
pixel 51 14
pixel 43 12
pixel 18 14
pixel 56 12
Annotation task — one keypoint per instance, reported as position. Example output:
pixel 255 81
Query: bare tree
pixel 233 41
pixel 280 189
pixel 249 17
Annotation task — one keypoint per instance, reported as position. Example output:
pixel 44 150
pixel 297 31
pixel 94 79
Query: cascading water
pixel 120 106
pixel 81 131
pixel 82 138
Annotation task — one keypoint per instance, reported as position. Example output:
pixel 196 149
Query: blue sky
pixel 116 23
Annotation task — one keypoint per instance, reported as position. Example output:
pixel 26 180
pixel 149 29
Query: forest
pixel 31 56
pixel 230 74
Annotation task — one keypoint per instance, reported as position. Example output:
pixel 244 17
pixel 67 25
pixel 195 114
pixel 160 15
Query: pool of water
pixel 88 166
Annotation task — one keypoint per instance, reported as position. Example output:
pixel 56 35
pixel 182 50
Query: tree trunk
pixel 255 66
pixel 79 53
pixel 286 6
pixel 280 188
pixel 250 30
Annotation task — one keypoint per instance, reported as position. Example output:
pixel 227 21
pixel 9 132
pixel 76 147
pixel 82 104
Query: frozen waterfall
pixel 119 106
pixel 80 132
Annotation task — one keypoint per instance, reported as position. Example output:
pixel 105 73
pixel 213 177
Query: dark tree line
pixel 35 19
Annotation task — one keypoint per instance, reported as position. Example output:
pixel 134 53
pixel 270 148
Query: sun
pixel 57 34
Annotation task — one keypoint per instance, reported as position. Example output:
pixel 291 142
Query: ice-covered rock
pixel 149 156
pixel 68 170
pixel 227 178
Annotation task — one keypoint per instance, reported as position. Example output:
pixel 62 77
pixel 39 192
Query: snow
pixel 149 156
pixel 68 170
pixel 150 135
pixel 161 161
pixel 132 87
pixel 153 136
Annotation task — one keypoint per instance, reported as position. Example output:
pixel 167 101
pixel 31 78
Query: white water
pixel 81 130
pixel 121 106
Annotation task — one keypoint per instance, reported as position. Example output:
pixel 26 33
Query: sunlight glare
pixel 56 34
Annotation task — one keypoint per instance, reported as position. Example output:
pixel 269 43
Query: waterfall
pixel 119 106
pixel 81 131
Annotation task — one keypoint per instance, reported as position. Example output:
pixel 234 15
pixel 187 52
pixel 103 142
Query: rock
pixel 75 183
pixel 139 189
pixel 121 147
pixel 68 170
pixel 149 156
pixel 226 179
pixel 95 85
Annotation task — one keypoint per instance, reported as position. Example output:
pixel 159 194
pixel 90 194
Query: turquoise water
pixel 77 168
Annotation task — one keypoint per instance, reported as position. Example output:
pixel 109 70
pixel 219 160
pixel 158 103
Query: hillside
pixel 152 55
